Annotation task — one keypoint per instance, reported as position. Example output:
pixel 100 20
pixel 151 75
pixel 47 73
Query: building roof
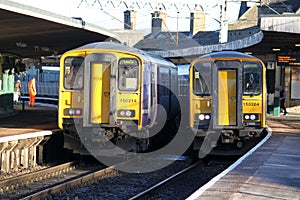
pixel 165 44
pixel 259 42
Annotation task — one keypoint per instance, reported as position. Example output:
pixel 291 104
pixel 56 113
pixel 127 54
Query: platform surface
pixel 32 119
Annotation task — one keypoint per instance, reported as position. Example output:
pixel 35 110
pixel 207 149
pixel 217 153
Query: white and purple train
pixel 112 92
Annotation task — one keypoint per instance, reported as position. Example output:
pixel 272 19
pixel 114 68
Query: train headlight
pixel 201 117
pixel 251 117
pixel 126 113
pixel 207 116
pixel 204 117
pixel 73 111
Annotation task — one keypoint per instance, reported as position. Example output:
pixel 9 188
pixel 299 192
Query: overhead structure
pixel 137 5
pixel 32 32
pixel 177 5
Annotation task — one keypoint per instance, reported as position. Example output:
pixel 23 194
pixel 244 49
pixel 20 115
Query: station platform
pixel 271 170
pixel 28 136
pixel 32 119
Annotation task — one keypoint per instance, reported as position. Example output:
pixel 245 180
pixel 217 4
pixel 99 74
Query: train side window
pixel 202 79
pixel 163 81
pixel 73 73
pixel 252 78
pixel 153 87
pixel 128 74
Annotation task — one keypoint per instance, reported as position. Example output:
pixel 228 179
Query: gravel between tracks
pixel 125 186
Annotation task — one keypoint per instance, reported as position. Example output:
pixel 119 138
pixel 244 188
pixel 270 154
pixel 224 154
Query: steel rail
pixel 153 190
pixel 74 183
pixel 24 179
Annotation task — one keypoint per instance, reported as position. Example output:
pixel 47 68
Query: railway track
pixel 42 183
pixel 26 178
pixel 149 185
pixel 159 187
pixel 182 184
pixel 70 181
pixel 70 184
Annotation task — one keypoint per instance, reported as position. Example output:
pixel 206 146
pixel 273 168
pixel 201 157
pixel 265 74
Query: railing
pixel 46 92
pixel 43 89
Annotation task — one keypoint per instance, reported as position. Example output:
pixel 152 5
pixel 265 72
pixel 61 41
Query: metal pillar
pixel 3 146
pixel 6 157
pixel 277 91
pixel 33 151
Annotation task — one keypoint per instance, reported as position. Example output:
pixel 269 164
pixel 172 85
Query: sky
pixel 111 17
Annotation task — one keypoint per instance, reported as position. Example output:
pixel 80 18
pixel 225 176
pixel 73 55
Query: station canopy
pixel 286 43
pixel 29 32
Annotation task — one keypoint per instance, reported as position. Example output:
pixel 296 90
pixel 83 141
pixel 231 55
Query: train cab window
pixel 73 70
pixel 252 78
pixel 202 78
pixel 128 74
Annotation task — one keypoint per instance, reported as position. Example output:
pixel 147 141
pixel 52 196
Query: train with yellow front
pixel 227 96
pixel 112 93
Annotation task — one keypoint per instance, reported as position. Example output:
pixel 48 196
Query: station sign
pixel 285 60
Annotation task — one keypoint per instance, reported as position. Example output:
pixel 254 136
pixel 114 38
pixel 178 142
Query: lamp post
pixel 223 37
pixel 177 30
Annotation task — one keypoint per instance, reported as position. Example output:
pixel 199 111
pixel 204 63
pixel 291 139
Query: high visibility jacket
pixel 31 87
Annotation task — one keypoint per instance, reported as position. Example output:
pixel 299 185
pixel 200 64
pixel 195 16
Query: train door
pixel 97 90
pixel 99 86
pixel 227 97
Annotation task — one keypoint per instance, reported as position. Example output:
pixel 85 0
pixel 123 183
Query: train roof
pixel 121 47
pixel 227 54
pixel 109 45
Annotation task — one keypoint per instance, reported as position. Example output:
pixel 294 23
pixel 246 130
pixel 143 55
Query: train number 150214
pixel 128 100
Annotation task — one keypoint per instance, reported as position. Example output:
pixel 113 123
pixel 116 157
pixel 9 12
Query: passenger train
pixel 112 92
pixel 227 99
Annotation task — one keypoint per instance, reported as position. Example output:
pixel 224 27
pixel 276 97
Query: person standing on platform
pixel 17 90
pixel 32 91
pixel 282 100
